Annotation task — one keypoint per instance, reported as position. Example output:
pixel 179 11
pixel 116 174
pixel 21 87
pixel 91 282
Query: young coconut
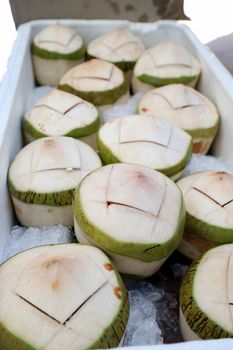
pixel 145 140
pixel 62 114
pixel 55 50
pixel 43 176
pixel 166 63
pixel 66 296
pixel 135 214
pixel 120 47
pixel 97 81
pixel 206 296
pixel 208 200
pixel 186 108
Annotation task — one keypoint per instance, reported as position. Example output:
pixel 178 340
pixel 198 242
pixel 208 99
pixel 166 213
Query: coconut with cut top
pixel 55 50
pixel 166 63
pixel 62 114
pixel 135 214
pixel 66 296
pixel 186 108
pixel 97 81
pixel 43 176
pixel 145 140
pixel 206 296
pixel 208 200
pixel 120 46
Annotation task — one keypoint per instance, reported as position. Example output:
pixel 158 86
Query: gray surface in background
pixel 133 10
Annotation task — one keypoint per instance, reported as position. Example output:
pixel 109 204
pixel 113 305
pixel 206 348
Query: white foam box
pixel 215 82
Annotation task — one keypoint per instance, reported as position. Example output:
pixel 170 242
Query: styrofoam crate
pixel 215 82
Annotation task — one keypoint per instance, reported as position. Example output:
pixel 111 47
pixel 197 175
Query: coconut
pixel 206 296
pixel 65 296
pixel 62 114
pixel 186 108
pixel 55 50
pixel 43 176
pixel 145 140
pixel 120 47
pixel 135 214
pixel 166 63
pixel 208 200
pixel 97 81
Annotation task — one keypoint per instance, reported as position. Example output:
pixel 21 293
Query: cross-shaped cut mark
pixel 211 198
pixel 70 316
pixel 58 42
pixel 179 107
pixel 56 110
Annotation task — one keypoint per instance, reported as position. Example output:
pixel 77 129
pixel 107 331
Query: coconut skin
pixel 55 50
pixel 196 323
pixel 20 335
pixel 110 154
pixel 98 82
pixel 187 109
pixel 36 187
pixel 166 63
pixel 207 222
pixel 62 114
pixel 133 257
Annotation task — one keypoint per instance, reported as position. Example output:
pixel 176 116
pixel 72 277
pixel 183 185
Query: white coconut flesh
pixel 184 107
pixel 209 198
pixel 60 113
pixel 145 140
pixel 209 285
pixel 58 38
pixel 49 166
pixel 94 76
pixel 128 204
pixel 120 45
pixel 165 61
pixel 60 297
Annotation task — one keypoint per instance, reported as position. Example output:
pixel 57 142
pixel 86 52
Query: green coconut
pixel 209 206
pixel 97 81
pixel 206 296
pixel 66 296
pixel 55 50
pixel 120 47
pixel 43 176
pixel 145 140
pixel 62 114
pixel 186 108
pixel 135 214
pixel 166 63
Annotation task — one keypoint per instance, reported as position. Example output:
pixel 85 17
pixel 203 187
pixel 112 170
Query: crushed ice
pixel 22 238
pixel 200 162
pixel 125 109
pixel 36 94
pixel 142 328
